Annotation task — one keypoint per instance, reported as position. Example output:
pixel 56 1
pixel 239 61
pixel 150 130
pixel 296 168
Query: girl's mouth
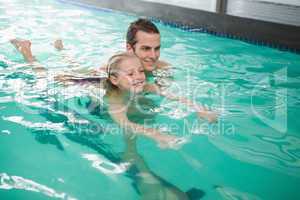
pixel 138 83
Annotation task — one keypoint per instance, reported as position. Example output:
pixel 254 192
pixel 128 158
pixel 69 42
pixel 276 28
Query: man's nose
pixel 152 53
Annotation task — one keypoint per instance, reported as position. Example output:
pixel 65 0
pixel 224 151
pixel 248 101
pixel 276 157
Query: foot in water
pixel 58 44
pixel 24 47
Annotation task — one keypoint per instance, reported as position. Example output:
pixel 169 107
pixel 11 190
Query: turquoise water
pixel 51 147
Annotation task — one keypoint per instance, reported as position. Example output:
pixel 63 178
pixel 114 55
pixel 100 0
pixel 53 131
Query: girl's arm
pixel 201 111
pixel 118 113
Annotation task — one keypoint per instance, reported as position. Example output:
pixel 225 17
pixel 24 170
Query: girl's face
pixel 130 76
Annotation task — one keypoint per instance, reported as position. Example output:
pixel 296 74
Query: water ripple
pixel 270 152
pixel 16 182
pixel 229 193
pixel 58 127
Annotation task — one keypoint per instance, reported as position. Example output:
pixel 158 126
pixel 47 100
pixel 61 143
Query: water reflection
pixel 148 184
pixel 8 182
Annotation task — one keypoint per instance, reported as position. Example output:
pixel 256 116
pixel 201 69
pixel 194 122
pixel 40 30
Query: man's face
pixel 147 49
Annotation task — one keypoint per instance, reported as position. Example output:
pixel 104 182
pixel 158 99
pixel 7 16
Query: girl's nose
pixel 140 75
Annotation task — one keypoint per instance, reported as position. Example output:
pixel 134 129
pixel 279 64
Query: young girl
pixel 125 80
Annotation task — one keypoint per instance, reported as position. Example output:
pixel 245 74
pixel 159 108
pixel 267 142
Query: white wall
pixel 271 12
pixel 207 5
pixel 278 11
pixel 289 2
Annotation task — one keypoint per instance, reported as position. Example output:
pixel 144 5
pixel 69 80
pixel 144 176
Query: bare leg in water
pixel 24 47
pixel 58 44
pixel 149 185
pixel 74 73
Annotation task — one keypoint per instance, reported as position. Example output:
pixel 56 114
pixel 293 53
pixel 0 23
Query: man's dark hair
pixel 140 24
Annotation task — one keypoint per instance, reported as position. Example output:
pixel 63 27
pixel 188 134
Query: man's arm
pixel 201 110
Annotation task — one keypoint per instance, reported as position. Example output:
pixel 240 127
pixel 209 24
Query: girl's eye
pixel 130 74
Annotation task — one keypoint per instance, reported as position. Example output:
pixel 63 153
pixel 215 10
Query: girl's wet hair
pixel 113 63
pixel 112 67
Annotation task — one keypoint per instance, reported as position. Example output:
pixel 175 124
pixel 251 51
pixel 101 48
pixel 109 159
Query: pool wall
pixel 230 18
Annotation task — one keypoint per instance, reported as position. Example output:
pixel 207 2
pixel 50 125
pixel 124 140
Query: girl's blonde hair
pixel 114 61
pixel 113 66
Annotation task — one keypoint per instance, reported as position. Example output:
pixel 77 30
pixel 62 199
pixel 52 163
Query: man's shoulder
pixel 163 65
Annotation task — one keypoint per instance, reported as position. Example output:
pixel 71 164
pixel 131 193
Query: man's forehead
pixel 148 38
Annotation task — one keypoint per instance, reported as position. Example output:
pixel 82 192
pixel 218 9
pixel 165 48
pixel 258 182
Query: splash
pixel 106 166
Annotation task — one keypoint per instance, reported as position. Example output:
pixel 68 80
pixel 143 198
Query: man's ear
pixel 129 48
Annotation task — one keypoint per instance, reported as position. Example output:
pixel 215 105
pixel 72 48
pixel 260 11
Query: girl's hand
pixel 210 116
pixel 168 141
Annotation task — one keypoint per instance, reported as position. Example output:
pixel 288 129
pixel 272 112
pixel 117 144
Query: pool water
pixel 53 146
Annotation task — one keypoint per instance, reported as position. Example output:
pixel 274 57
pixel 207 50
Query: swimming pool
pixel 51 147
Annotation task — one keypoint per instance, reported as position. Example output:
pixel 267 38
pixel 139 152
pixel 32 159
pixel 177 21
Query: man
pixel 143 39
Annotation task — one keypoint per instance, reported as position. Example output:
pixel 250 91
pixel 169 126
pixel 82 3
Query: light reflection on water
pixel 16 182
pixel 218 72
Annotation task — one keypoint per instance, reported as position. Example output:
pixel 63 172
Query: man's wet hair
pixel 140 24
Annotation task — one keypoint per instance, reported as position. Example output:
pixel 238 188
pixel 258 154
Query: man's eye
pixel 146 48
